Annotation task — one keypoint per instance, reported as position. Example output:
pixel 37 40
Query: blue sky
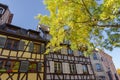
pixel 24 12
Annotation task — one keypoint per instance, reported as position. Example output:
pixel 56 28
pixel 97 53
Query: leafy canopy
pixel 118 71
pixel 83 23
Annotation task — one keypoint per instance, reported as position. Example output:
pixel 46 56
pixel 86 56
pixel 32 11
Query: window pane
pixel 36 48
pixel 12 30
pixel 95 56
pixel 12 44
pixel 57 67
pixel 32 67
pixel 9 44
pixel 9 66
pixel 39 68
pixel 72 68
pixel 85 70
pixel 70 51
pixel 98 67
pixel 2 41
pixel 80 53
pixel 42 48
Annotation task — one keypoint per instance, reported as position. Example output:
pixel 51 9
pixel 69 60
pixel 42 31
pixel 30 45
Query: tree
pixel 118 71
pixel 89 23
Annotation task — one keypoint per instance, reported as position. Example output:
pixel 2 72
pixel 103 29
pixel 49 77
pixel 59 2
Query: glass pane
pixel 9 66
pixel 32 67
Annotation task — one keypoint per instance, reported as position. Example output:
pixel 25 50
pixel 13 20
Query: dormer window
pixel 11 30
pixel 1 10
pixel 33 35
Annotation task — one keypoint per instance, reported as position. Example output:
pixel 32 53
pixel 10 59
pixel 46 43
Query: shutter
pixel 39 67
pixel 31 46
pixel 51 66
pixel 64 50
pixel 90 69
pixel 79 68
pixel 42 48
pixel 2 42
pixel 21 45
pixel 24 66
pixel 75 53
pixel 66 67
pixel 94 66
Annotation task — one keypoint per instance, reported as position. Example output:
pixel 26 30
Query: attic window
pixel 1 10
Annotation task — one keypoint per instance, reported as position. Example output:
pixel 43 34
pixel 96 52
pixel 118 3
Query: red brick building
pixel 103 66
pixel 5 14
pixel 109 66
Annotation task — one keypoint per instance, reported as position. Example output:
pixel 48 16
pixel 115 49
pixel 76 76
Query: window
pixel 9 66
pixel 12 44
pixel 12 30
pixel 23 32
pixel 33 35
pixel 32 67
pixel 1 10
pixel 57 67
pixel 98 67
pixel 95 56
pixel 2 42
pixel 39 67
pixel 70 52
pixel 73 68
pixel 42 50
pixel 85 69
pixel 80 53
pixel 24 66
pixel 36 48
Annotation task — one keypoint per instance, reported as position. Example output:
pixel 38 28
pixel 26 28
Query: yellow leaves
pixel 118 71
pixel 80 16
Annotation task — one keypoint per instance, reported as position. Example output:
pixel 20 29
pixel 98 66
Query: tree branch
pixel 86 8
pixel 115 26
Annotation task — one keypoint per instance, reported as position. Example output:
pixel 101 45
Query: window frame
pixel 69 51
pixel 73 69
pixel 98 67
pixel 95 57
pixel 84 66
pixel 80 53
pixel 58 68
pixel 36 48
pixel 11 30
pixel 11 44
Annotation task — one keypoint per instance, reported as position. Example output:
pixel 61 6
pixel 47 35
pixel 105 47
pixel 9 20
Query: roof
pixel 43 27
pixel 3 5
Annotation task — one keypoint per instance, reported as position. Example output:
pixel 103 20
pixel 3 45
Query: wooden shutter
pixel 2 42
pixel 31 46
pixel 21 45
pixel 64 50
pixel 24 66
pixel 90 69
pixel 79 68
pixel 42 48
pixel 66 67
pixel 51 66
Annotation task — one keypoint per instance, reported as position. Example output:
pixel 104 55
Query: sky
pixel 24 16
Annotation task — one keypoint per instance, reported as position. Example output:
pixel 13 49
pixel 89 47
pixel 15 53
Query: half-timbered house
pixel 22 55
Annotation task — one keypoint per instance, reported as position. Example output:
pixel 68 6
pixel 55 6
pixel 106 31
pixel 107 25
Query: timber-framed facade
pixel 22 56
